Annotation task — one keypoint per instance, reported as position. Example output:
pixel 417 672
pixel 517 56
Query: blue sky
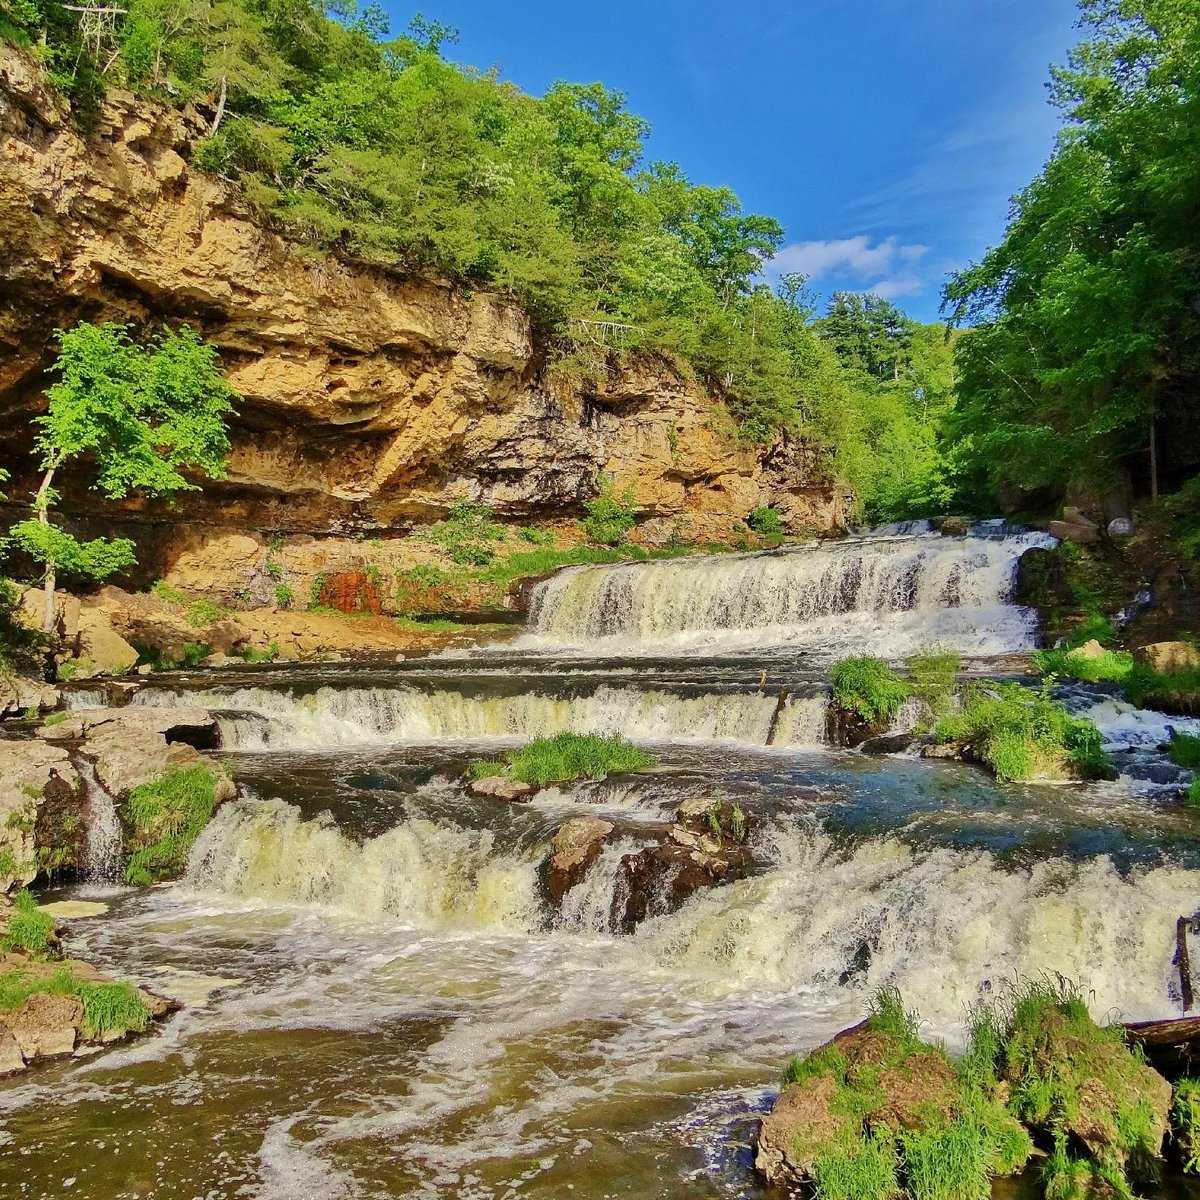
pixel 886 135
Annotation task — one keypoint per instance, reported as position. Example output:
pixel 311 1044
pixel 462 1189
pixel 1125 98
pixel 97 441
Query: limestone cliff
pixel 372 400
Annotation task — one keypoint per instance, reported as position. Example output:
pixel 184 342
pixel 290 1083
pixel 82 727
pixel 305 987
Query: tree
pixel 140 417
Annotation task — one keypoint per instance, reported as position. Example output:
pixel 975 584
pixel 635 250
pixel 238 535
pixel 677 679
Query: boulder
pixel 1042 580
pixel 1075 516
pixel 500 787
pixel 11 1058
pixel 45 1026
pixel 1121 527
pixel 887 743
pixel 169 627
pixel 800 1124
pixel 66 612
pixel 1067 531
pixel 102 651
pixel 33 776
pixel 1090 649
pixel 574 848
pixel 1168 657
pixel 19 695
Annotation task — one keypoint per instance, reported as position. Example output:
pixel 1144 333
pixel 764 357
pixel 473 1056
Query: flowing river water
pixel 379 1004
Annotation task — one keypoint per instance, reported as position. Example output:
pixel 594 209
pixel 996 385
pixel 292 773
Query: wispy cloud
pixel 888 267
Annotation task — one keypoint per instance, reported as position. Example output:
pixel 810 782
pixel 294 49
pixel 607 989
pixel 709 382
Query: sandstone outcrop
pixel 372 400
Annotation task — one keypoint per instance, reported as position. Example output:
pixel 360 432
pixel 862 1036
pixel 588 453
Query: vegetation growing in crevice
pixel 164 819
pixel 566 757
pixel 610 516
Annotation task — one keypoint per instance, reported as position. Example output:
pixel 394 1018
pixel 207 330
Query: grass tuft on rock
pixel 1185 1120
pixel 1022 734
pixel 858 1169
pixel 166 817
pixel 1184 749
pixel 112 1006
pixel 869 687
pixel 29 928
pixel 566 757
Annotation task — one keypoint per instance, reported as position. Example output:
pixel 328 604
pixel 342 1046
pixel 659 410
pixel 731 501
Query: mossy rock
pixel 1080 1089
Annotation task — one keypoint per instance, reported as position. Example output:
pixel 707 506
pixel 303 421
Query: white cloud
pixel 887 267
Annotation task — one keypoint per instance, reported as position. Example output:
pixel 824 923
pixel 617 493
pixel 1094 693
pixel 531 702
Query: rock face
pixel 1168 657
pixel 371 400
pixel 33 776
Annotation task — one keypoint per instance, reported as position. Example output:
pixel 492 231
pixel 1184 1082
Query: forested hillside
pixel 379 148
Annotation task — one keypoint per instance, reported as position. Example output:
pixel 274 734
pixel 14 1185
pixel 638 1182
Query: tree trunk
pixel 1153 463
pixel 49 579
pixel 220 107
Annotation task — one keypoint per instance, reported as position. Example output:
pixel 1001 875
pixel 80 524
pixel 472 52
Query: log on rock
pixel 1172 1046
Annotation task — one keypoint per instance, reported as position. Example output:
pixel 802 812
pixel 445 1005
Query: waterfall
pixel 104 841
pixel 428 874
pixel 945 925
pixel 873 594
pixel 258 718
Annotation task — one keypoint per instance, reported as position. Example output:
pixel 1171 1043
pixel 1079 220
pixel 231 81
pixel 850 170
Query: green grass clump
pixel 869 687
pixel 1023 734
pixel 56 718
pixel 270 654
pixel 566 757
pixel 433 625
pixel 1184 750
pixel 17 986
pixel 858 1169
pixel 194 653
pixel 109 1006
pixel 887 1014
pixel 166 817
pixel 29 928
pixel 933 678
pixel 1192 796
pixel 827 1060
pixel 950 1162
pixel 766 522
pixel 1110 666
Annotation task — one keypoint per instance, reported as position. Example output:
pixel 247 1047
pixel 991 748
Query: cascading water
pixel 104 841
pixel 259 718
pixel 395 1008
pixel 887 595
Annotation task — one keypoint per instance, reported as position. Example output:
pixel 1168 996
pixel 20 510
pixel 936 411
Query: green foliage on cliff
pixel 376 147
pixel 1087 330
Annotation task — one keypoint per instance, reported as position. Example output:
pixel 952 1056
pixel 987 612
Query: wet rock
pixel 844 727
pixel 955 750
pixel 1168 657
pixel 46 1026
pixel 31 773
pixel 575 847
pixel 888 743
pixel 11 1058
pixel 500 787
pixel 1042 580
pixel 953 526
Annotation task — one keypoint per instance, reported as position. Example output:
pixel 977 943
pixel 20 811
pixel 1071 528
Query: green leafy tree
pixel 1085 349
pixel 137 418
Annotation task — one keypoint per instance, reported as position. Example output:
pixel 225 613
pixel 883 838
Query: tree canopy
pixel 1087 315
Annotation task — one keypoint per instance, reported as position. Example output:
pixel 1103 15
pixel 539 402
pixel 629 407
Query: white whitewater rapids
pixel 869 594
pixel 259 718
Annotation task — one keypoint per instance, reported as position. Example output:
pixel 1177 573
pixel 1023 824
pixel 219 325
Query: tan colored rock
pixel 46 1026
pixel 19 695
pixel 498 787
pixel 1090 649
pixel 1168 657
pixel 11 1058
pixel 102 651
pixel 66 611
pixel 795 1130
pixel 579 833
pixel 1081 535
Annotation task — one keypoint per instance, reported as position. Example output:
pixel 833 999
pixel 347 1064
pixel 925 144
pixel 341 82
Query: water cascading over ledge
pixel 874 594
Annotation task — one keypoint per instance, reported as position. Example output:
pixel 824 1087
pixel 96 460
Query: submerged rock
pixel 888 743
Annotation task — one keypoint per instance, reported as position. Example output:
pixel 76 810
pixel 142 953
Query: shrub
pixel 1184 750
pixel 1192 795
pixel 868 687
pixel 195 653
pixel 536 537
pixel 933 678
pixel 270 654
pixel 283 596
pixel 766 522
pixel 566 757
pixel 29 928
pixel 1109 666
pixel 467 534
pixel 609 516
pixel 1022 734
pixel 166 817
pixel 314 592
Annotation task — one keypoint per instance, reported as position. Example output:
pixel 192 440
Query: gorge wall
pixel 371 400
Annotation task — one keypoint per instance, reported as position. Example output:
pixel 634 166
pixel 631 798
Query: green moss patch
pixel 564 758
pixel 164 819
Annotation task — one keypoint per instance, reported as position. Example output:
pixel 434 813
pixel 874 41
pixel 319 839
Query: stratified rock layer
pixel 372 400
